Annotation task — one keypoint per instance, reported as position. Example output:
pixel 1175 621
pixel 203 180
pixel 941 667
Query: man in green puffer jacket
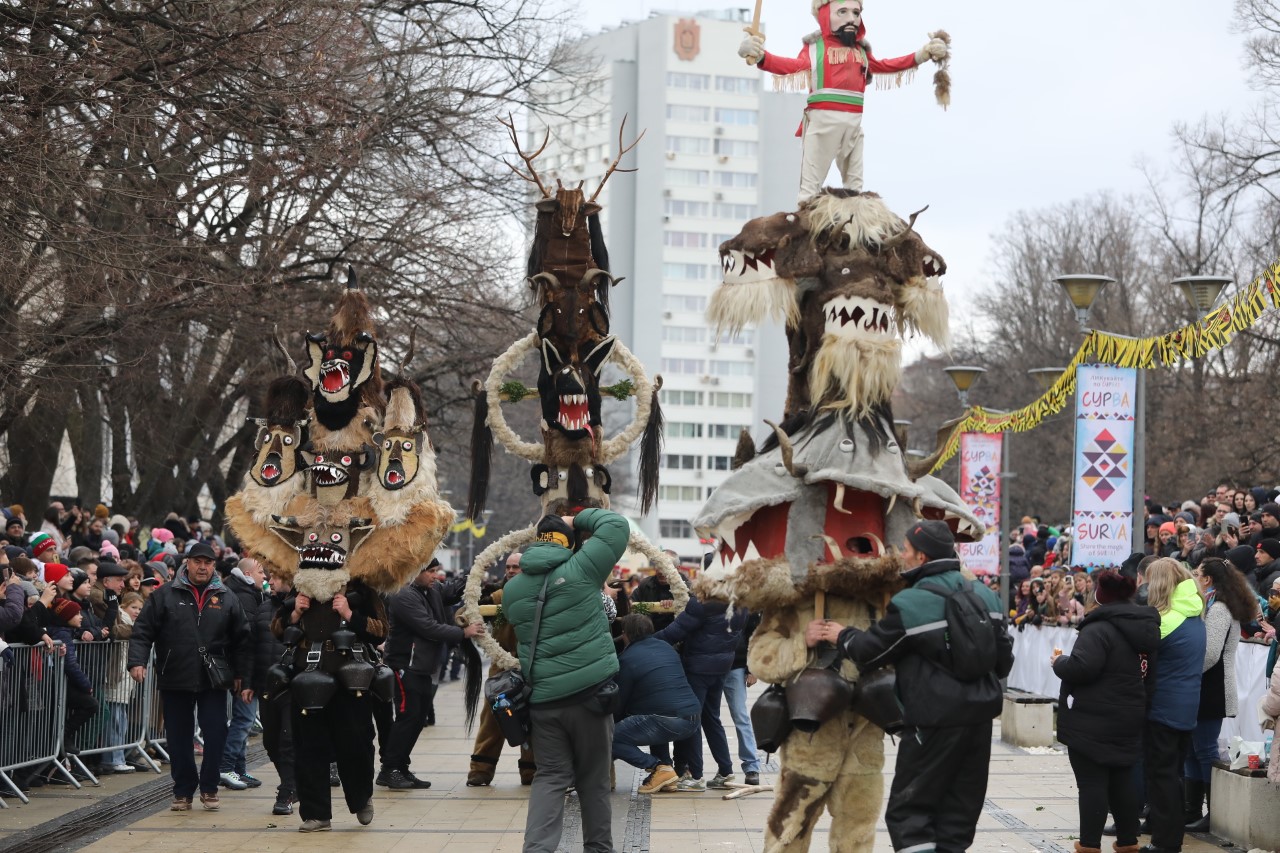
pixel 575 657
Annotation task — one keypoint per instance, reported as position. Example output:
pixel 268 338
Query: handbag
pixel 216 666
pixel 508 692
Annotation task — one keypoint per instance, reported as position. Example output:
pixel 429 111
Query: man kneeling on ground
pixel 657 705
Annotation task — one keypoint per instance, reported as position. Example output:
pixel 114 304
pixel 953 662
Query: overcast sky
pixel 1050 102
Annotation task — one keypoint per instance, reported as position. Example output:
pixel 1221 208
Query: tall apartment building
pixel 719 149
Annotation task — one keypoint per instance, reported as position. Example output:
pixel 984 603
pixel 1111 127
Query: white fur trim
pixel 320 584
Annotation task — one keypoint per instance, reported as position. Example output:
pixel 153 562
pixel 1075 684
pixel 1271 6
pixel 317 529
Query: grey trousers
pixel 574 747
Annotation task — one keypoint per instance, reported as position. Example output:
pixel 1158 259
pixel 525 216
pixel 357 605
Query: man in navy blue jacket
pixel 709 636
pixel 656 703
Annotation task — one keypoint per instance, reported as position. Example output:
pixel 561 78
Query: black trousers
pixel 277 736
pixel 939 785
pixel 343 730
pixel 181 707
pixel 412 703
pixel 382 722
pixel 1163 750
pixel 1104 789
pixel 81 708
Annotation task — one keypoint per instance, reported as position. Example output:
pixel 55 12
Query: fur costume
pixel 812 509
pixel 568 269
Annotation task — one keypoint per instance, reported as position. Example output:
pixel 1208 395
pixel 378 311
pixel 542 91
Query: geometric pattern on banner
pixel 1107 464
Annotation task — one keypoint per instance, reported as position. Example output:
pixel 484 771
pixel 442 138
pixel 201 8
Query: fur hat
pixel 16 509
pixel 1110 585
pixel 66 609
pixel 101 511
pixel 54 572
pixel 553 528
pixel 1271 546
pixel 40 543
pixel 934 539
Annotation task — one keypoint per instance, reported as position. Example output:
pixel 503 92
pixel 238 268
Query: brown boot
pixel 527 769
pixel 1124 848
pixel 1080 848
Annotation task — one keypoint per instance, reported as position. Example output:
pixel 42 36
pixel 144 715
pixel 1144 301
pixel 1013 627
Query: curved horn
pixel 275 334
pixel 543 279
pixel 408 356
pixel 836 551
pixel 285 520
pixel 839 500
pixel 784 445
pixel 317 337
pixel 879 543
pixel 353 282
pixel 902 235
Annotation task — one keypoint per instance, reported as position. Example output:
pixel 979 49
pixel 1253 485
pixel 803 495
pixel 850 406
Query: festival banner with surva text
pixel 1102 508
pixel 980 490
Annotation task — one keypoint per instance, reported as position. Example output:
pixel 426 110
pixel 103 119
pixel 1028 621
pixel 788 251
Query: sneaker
pixel 381 778
pixel 691 785
pixel 660 777
pixel 398 780
pixel 283 804
pixel 210 801
pixel 180 804
pixel 720 782
pixel 752 778
pixel 421 784
pixel 334 780
pixel 315 826
pixel 251 781
pixel 117 768
pixel 365 815
pixel 232 780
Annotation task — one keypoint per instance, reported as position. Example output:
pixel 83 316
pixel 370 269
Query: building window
pixel 724 431
pixel 742 337
pixel 682 462
pixel 685 334
pixel 688 209
pixel 674 528
pixel 732 368
pixel 736 212
pixel 681 398
pixel 719 463
pixel 693 82
pixel 736 147
pixel 736 85
pixel 688 177
pixel 689 145
pixel 688 112
pixel 724 115
pixel 729 400
pixel 686 239
pixel 678 429
pixel 680 493
pixel 736 180
pixel 690 272
pixel 681 302
pixel 687 366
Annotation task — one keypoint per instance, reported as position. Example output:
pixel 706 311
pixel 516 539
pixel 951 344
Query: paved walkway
pixel 1030 807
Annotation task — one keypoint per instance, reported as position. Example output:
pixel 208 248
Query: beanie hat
pixel 54 572
pixel 1169 527
pixel 933 539
pixel 40 543
pixel 1242 557
pixel 65 609
pixel 1231 519
pixel 1188 517
pixel 101 511
pixel 1271 546
pixel 162 535
pixel 14 522
pixel 110 535
pixel 109 550
pixel 1110 585
pixel 78 579
pixel 1271 509
pixel 553 528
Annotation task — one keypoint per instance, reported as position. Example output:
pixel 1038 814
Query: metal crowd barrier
pixel 124 706
pixel 33 696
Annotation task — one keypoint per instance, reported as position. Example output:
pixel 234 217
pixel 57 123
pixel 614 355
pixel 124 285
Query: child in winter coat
pixel 119 689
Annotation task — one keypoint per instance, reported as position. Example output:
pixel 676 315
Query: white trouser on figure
pixel 830 136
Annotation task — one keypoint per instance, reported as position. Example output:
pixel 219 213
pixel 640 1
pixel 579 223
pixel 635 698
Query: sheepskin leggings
pixel 837 768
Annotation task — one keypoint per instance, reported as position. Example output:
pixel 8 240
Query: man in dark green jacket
pixel 940 780
pixel 574 658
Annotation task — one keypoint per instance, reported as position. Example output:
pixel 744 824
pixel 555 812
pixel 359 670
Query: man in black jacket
pixel 195 610
pixel 941 776
pixel 274 710
pixel 419 632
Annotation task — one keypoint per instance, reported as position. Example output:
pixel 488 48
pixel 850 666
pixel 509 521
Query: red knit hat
pixel 54 572
pixel 65 609
pixel 1110 585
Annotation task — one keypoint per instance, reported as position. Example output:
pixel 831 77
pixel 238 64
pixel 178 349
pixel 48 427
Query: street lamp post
pixel 964 376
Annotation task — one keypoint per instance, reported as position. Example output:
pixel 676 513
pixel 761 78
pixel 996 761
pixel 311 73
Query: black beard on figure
pixel 848 35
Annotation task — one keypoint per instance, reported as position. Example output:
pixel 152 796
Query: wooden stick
pixel 820 605
pixel 754 29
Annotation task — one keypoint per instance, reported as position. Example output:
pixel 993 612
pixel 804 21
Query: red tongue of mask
pixel 332 380
pixel 269 471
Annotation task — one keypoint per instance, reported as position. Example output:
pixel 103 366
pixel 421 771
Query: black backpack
pixel 970 637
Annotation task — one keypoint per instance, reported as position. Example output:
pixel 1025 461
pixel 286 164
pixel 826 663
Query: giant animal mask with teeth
pixel 335 474
pixel 324 549
pixel 282 432
pixel 831 487
pixel 343 363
